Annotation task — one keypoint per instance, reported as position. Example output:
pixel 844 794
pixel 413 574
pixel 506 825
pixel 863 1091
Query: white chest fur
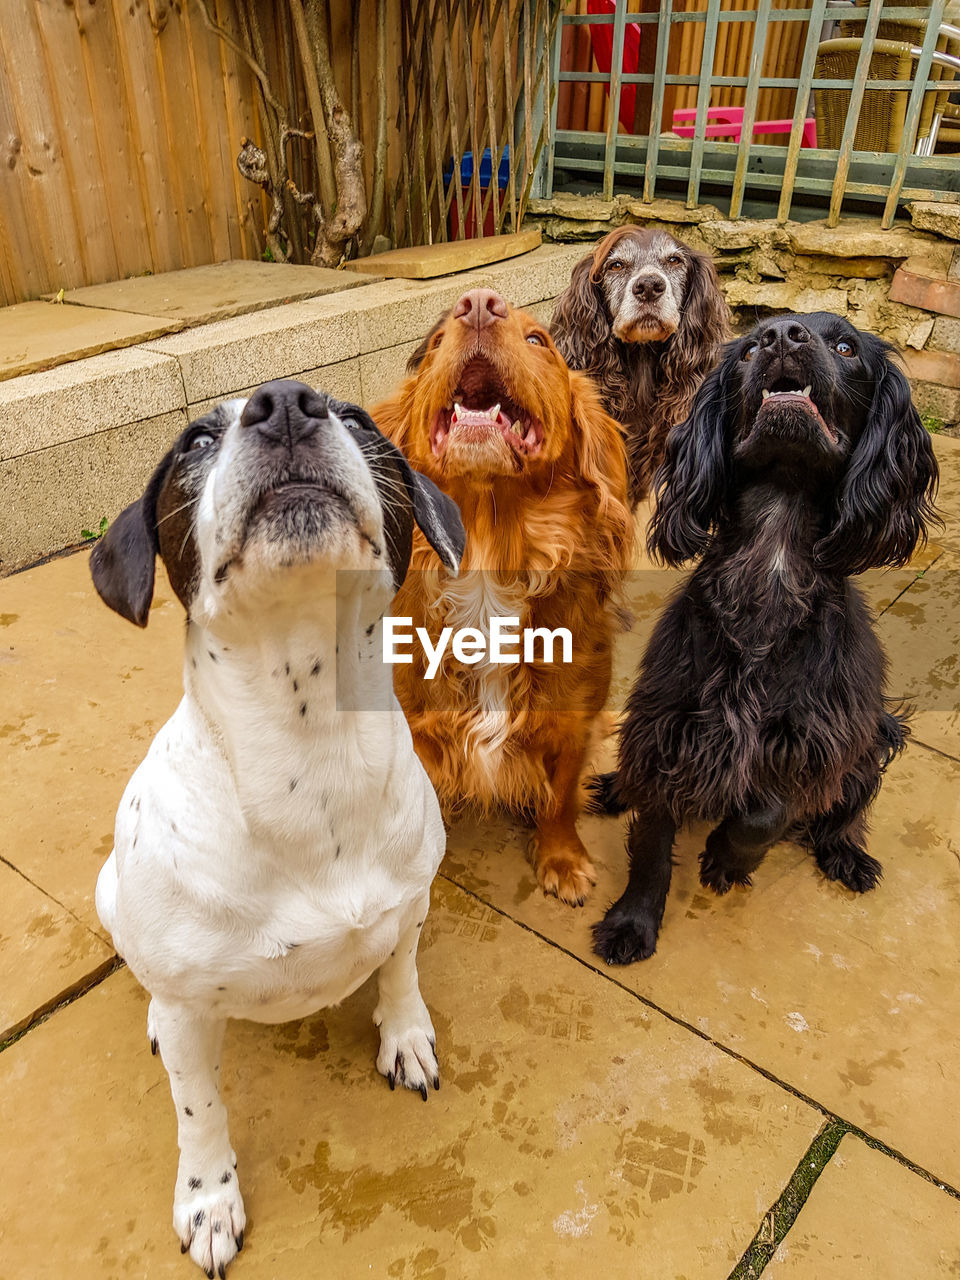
pixel 271 847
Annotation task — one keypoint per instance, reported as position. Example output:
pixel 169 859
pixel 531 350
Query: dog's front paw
pixel 408 1047
pixel 851 865
pixel 208 1217
pixel 623 936
pixel 564 869
pixel 718 877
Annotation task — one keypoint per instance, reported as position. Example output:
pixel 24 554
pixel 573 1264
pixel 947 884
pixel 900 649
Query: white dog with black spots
pixel 273 849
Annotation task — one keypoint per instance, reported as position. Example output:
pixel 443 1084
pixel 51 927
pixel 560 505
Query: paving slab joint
pixel 781 1216
pixel 62 999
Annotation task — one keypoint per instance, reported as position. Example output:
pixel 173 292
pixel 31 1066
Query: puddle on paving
pixel 861 1074
pixel 435 1195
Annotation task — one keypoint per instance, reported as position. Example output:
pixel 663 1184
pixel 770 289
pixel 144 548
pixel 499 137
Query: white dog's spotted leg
pixel 408 1042
pixel 207 1206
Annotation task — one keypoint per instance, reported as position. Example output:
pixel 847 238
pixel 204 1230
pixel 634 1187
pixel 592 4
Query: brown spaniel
pixel 491 413
pixel 644 316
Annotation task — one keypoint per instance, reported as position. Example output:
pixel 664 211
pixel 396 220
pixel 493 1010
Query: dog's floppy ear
pixel 580 326
pixel 601 459
pixel 123 563
pixel 437 515
pixel 692 483
pixel 693 350
pixel 886 497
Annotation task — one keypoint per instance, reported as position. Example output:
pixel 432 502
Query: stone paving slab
pixel 850 1000
pixel 424 262
pixel 84 692
pixel 870 1218
pixel 37 335
pixel 575 1132
pixel 197 295
pixel 45 952
pixel 921 634
pixel 948 501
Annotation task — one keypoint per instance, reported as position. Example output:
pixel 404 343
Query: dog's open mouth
pixel 482 408
pixel 781 395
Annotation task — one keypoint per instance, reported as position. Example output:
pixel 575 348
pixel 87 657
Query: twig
pixel 239 50
pixel 380 154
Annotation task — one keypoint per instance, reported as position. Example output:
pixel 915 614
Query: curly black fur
pixel 759 704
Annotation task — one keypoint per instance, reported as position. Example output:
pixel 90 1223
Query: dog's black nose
pixel 649 287
pixel 788 332
pixel 285 412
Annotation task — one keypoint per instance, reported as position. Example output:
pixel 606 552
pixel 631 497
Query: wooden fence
pixel 120 123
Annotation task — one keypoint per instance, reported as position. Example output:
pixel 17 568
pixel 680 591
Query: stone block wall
pixel 902 284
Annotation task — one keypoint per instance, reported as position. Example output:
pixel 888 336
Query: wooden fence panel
pixel 41 170
pixel 120 121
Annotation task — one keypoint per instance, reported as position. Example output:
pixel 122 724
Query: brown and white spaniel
pixel 644 316
pixel 491 413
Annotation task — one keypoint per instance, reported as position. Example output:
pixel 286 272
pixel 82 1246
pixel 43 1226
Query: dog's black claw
pixel 423 1092
pixel 853 868
pixel 620 939
pixel 391 1080
pixel 714 875
pixel 210 1274
pixel 183 1247
pixel 436 1082
pixel 154 1045
pixel 239 1242
pixel 222 1271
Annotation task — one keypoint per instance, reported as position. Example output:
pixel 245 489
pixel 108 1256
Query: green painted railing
pixel 828 176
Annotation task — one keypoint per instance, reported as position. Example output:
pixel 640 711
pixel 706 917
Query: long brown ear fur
pixel 602 461
pixel 695 347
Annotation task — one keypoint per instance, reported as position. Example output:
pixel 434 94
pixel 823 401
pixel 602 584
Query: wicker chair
pixel 883 111
pixel 912 31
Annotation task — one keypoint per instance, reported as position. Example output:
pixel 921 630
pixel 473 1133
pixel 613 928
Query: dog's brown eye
pixel 615 265
pixel 750 352
pixel 202 440
pixel 675 260
pixel 535 340
pixel 843 347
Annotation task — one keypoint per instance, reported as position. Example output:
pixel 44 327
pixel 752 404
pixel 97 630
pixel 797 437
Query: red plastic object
pixel 601 40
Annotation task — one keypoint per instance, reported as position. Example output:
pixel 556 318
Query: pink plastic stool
pixel 729 123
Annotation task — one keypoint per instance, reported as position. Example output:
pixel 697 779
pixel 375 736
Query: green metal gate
pixel 899 60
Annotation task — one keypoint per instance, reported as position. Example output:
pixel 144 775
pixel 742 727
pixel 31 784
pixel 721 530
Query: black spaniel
pixel 760 700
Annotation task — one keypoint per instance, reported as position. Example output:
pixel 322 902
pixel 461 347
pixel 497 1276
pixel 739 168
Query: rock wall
pixel 902 284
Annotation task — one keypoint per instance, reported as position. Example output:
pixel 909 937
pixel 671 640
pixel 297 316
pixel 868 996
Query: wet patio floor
pixel 666 1120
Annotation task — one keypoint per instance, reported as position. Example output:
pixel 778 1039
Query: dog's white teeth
pixel 457 409
pixel 495 412
pixel 765 393
pixel 808 388
pixel 516 428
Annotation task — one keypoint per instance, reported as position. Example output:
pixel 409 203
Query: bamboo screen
pixel 475 84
